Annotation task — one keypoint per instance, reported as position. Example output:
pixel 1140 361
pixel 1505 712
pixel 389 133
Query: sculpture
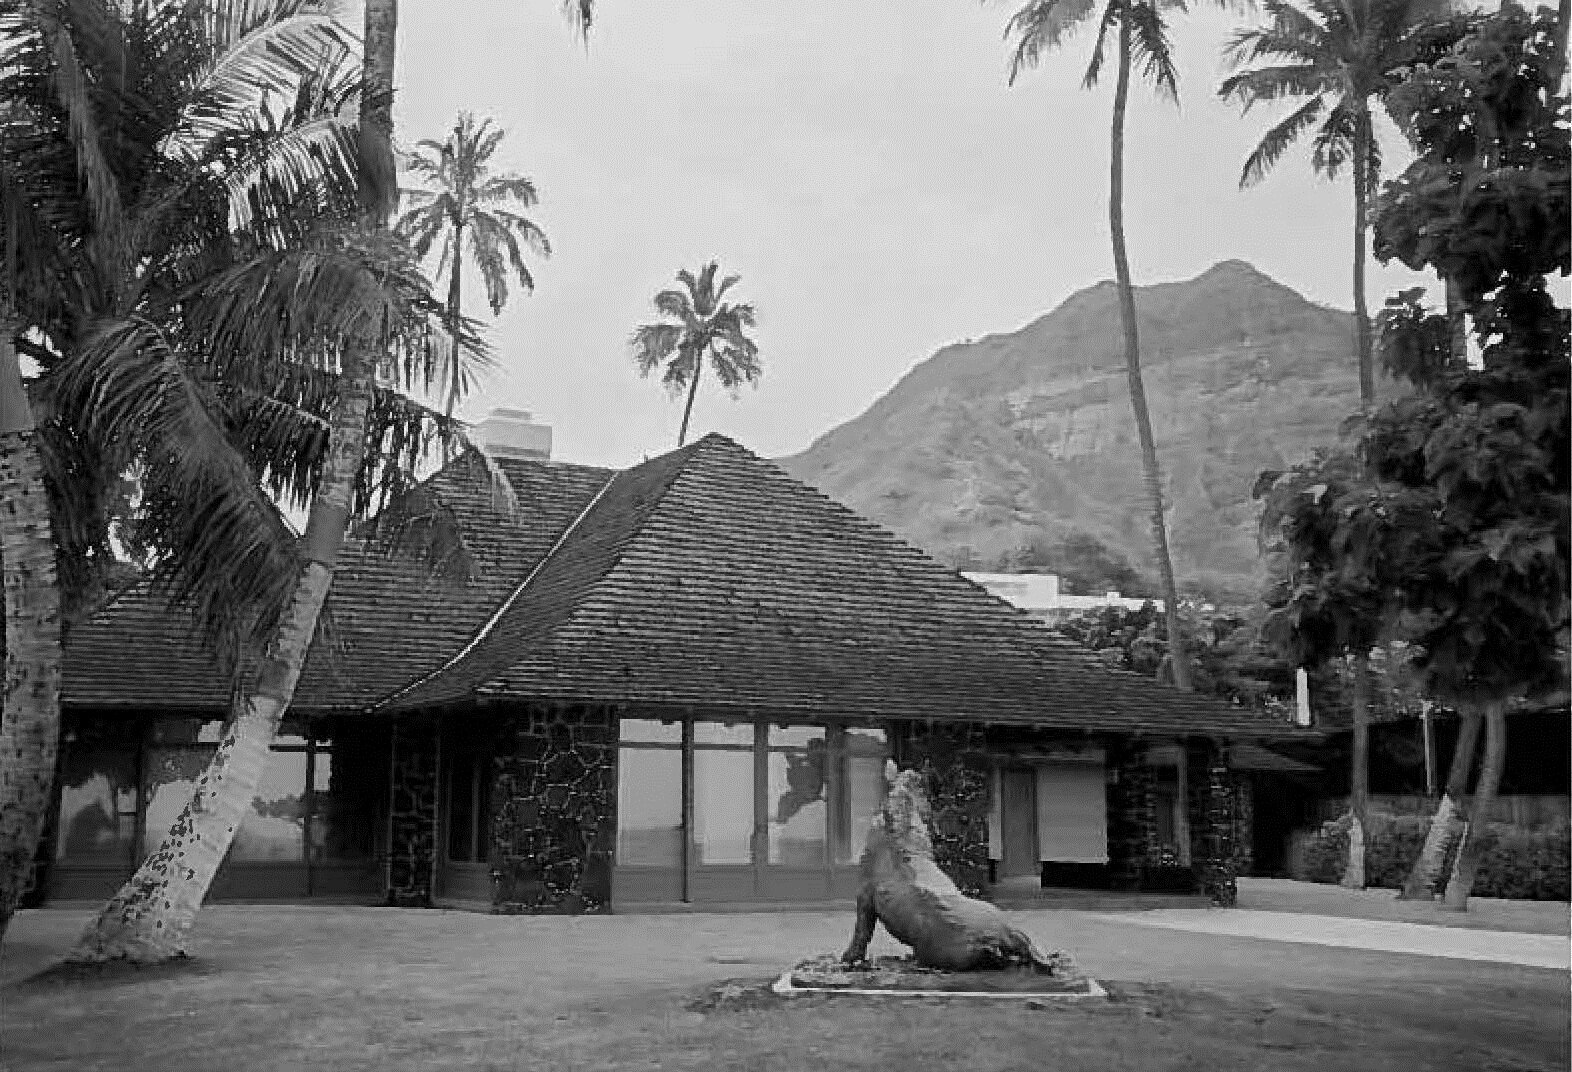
pixel 920 905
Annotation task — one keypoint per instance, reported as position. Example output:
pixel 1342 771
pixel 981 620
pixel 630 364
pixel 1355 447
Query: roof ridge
pixel 502 608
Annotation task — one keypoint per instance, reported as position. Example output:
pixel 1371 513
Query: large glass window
pixel 822 787
pixel 649 807
pixel 723 794
pixel 97 803
pixel 274 826
pixel 859 789
pixel 798 765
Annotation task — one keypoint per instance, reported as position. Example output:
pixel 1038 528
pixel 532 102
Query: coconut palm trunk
pixel 693 390
pixel 1359 779
pixel 1465 865
pixel 1362 140
pixel 1132 359
pixel 1445 825
pixel 149 918
pixel 455 311
pixel 30 721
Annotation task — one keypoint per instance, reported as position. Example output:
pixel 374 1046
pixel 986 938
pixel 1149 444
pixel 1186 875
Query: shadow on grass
pixel 111 973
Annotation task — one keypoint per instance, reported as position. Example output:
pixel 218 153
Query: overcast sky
pixel 866 169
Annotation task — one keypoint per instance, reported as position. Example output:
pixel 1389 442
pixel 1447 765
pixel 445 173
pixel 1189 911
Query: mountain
pixel 988 445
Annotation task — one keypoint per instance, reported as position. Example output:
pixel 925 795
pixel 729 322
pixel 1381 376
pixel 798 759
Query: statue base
pixel 903 977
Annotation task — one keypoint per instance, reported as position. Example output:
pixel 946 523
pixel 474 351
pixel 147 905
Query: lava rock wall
pixel 412 824
pixel 954 762
pixel 554 822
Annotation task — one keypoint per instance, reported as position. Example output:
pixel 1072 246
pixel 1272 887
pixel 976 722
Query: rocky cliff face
pixel 990 444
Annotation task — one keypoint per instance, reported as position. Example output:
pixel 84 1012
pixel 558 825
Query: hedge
pixel 1526 865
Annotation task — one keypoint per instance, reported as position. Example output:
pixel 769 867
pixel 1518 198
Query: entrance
pixel 1018 822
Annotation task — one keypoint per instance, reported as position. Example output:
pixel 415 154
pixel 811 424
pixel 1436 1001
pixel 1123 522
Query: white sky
pixel 862 164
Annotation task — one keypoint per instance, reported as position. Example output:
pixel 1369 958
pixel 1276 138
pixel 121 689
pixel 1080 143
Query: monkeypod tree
pixel 1486 206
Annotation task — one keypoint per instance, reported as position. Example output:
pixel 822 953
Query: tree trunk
pixel 1359 779
pixel 30 719
pixel 1424 877
pixel 149 918
pixel 693 389
pixel 455 311
pixel 1456 324
pixel 1362 136
pixel 1465 865
pixel 1178 658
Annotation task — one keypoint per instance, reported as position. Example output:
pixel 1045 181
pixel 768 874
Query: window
pixel 97 803
pixel 649 807
pixel 723 792
pixel 822 787
pixel 798 769
pixel 859 789
pixel 273 828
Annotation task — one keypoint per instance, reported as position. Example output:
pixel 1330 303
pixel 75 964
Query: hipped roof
pixel 704 579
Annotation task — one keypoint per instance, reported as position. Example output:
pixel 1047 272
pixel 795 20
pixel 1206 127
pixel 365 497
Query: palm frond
pixel 1094 66
pixel 652 344
pixel 284 46
pixel 1265 84
pixel 1152 49
pixel 1041 26
pixel 225 551
pixel 1277 140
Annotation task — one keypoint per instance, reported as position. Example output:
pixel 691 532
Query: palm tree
pixel 698 325
pixel 1142 37
pixel 97 204
pixel 378 323
pixel 1339 57
pixel 469 203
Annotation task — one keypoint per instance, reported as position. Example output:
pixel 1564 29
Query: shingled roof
pixel 705 579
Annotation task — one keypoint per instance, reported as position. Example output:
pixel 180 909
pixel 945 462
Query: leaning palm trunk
pixel 149 918
pixel 1445 826
pixel 30 722
pixel 1132 361
pixel 1465 865
pixel 1359 782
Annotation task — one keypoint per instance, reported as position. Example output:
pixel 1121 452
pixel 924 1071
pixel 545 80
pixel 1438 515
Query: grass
pixel 362 988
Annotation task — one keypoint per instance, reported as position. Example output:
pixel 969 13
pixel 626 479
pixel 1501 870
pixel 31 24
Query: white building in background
pixel 1038 594
pixel 511 433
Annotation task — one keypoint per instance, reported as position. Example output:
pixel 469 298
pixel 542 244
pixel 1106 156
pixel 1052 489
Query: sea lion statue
pixel 919 905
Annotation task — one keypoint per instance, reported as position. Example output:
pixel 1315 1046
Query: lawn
pixel 395 990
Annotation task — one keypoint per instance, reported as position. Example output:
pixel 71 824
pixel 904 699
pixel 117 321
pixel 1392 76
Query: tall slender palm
pixel 121 138
pixel 698 325
pixel 1339 58
pixel 472 211
pixel 1141 36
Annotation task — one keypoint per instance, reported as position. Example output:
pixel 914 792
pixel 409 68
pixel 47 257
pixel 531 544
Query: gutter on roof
pixel 505 606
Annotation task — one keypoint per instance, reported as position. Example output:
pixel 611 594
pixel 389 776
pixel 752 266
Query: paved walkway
pixel 1502 947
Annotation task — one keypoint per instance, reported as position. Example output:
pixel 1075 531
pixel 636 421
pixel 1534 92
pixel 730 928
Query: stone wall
pixel 554 819
pixel 1132 814
pixel 412 824
pixel 954 761
pixel 1213 820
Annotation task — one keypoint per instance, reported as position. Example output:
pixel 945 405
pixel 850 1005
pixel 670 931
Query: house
pixel 1039 595
pixel 673 683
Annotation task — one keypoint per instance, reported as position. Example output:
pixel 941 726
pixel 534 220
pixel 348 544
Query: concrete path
pixel 1503 947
